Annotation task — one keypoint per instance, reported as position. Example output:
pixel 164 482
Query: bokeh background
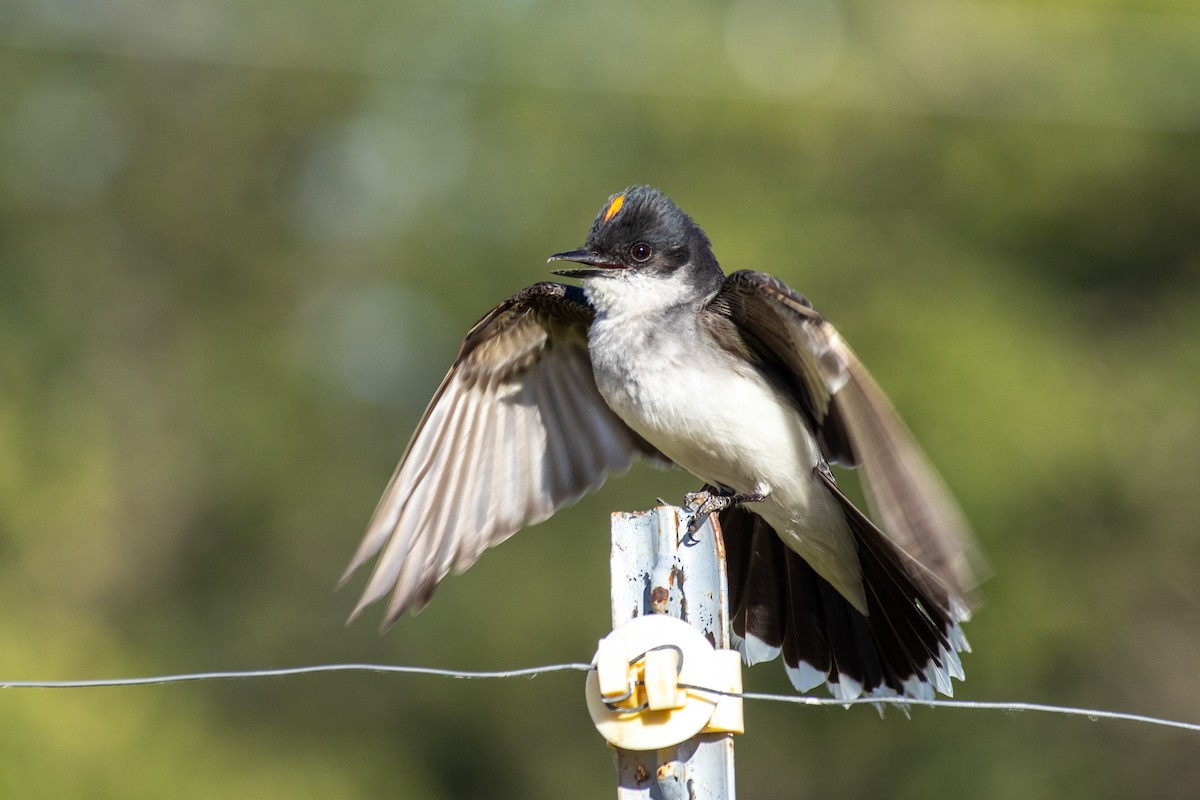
pixel 239 243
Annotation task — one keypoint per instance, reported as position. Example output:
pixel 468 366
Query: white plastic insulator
pixel 638 664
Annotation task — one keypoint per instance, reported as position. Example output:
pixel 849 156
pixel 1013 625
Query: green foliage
pixel 239 242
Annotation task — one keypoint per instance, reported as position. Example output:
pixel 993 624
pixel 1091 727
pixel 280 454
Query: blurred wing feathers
pixel 516 430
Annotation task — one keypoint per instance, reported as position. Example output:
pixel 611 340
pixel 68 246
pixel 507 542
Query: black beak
pixel 596 263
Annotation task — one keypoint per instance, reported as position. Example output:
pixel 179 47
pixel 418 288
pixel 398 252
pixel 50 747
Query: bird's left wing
pixel 854 422
pixel 516 430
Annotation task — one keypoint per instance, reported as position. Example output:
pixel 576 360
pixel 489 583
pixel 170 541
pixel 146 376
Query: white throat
pixel 634 292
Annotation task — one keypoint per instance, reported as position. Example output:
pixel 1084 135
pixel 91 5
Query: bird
pixel 659 355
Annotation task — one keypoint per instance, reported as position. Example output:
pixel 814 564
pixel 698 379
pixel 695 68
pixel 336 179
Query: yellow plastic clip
pixel 612 671
pixel 654 684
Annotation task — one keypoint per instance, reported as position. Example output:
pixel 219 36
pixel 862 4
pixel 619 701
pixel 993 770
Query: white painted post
pixel 654 572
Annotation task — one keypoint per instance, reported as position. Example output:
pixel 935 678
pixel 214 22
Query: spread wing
pixel 516 430
pixel 855 422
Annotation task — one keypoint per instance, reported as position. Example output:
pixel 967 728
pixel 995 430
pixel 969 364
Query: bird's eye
pixel 641 252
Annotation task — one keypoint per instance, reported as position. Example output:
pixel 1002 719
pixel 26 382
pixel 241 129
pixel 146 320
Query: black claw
pixel 694 525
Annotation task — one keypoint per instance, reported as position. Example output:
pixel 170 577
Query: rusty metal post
pixel 654 572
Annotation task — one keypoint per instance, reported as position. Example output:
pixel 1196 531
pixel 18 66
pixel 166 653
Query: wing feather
pixel 516 430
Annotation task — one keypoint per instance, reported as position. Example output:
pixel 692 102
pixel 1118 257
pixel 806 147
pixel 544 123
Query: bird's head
pixel 641 231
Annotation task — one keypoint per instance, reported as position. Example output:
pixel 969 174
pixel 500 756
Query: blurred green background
pixel 240 241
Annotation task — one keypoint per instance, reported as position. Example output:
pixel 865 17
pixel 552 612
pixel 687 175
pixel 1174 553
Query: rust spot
pixel 659 596
pixel 677 576
pixel 640 774
pixel 677 579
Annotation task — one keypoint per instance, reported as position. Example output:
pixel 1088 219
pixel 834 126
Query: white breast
pixel 723 424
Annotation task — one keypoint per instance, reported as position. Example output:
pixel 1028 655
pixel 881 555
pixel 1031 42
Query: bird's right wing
pixel 516 430
pixel 854 421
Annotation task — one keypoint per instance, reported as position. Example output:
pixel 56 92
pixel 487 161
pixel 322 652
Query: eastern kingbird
pixel 736 379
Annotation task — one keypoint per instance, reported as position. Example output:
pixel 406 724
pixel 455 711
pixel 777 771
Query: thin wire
pixel 533 672
pixel 1091 714
pixel 527 672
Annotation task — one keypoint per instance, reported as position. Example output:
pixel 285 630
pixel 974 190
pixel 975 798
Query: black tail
pixel 907 643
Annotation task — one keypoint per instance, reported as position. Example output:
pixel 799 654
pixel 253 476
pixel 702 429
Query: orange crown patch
pixel 614 207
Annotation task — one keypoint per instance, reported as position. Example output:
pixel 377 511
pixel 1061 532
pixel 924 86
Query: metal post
pixel 654 572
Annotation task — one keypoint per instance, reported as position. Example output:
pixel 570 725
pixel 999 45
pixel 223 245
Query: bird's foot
pixel 704 503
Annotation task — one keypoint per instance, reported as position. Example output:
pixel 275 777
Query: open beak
pixel 595 264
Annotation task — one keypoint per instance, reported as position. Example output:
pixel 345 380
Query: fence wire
pixel 1091 714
